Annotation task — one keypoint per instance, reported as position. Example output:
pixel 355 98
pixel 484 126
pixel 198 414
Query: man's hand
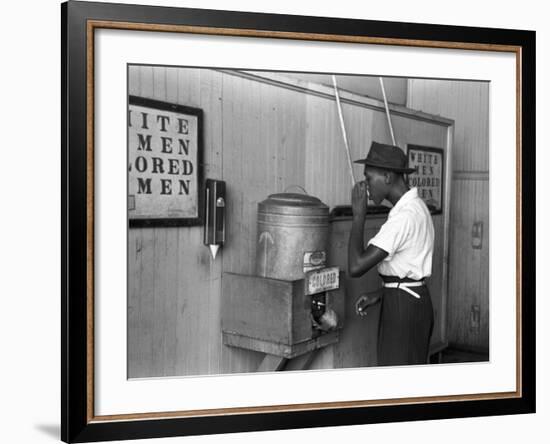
pixel 359 199
pixel 364 302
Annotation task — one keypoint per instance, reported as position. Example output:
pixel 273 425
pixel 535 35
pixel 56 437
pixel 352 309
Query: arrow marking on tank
pixel 266 238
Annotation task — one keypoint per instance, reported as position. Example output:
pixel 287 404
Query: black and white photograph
pixel 294 221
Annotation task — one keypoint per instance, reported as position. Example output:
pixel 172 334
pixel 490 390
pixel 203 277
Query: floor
pixel 451 355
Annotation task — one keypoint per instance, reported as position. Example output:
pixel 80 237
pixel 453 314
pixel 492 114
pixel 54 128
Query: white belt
pixel 405 287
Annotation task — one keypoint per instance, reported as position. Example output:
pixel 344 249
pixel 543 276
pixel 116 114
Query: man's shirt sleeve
pixel 392 235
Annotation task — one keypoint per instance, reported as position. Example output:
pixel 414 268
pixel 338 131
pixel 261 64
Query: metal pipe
pixel 387 109
pixel 343 128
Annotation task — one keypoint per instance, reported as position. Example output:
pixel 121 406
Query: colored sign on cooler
pixel 322 280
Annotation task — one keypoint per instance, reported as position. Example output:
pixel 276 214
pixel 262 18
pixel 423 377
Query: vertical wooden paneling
pixel 327 170
pixel 133 303
pixel 146 81
pixel 182 305
pixel 263 153
pixel 236 135
pixel 162 267
pixel 159 300
pixel 483 129
pixel 170 258
pixel 468 104
pixel 141 255
pixel 211 101
pixel 471 198
pixel 134 85
pixel 159 83
pixel 199 290
pixel 381 130
pixel 140 310
pixel 269 128
pixel 137 344
pixel 171 83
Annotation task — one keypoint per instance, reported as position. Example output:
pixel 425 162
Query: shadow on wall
pixel 51 430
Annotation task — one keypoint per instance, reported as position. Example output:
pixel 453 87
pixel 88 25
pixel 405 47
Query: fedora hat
pixel 387 157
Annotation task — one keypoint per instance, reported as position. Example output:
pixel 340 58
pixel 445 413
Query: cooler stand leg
pixel 271 363
pixel 301 362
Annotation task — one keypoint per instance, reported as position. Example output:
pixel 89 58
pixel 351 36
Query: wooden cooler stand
pixel 274 317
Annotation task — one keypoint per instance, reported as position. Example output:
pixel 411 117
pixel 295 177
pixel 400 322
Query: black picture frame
pixel 168 221
pixel 78 423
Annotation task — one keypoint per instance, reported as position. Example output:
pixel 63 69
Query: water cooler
pixel 294 304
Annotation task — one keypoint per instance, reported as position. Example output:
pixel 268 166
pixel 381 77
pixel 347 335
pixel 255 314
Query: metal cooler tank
pixel 292 236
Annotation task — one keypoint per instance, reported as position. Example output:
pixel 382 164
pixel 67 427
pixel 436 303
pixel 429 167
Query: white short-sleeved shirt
pixel 408 238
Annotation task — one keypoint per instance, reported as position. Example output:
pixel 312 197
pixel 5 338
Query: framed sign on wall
pixel 428 177
pixel 164 163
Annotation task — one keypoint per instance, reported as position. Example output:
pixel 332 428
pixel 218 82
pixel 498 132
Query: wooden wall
pixel 468 104
pixel 329 177
pixel 261 138
pixel 395 87
pixel 253 139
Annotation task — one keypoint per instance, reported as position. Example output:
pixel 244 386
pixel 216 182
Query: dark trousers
pixel 405 328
